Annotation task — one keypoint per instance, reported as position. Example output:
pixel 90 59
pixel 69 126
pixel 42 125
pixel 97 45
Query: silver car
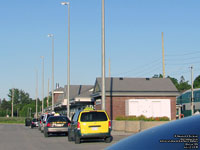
pixel 44 120
pixel 56 124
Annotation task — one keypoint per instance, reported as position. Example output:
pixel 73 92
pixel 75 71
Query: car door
pixel 74 124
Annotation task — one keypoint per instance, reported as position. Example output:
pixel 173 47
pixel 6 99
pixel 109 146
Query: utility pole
pixel 12 100
pixel 36 94
pixel 103 106
pixel 192 93
pixel 17 112
pixel 68 62
pixel 42 84
pixel 109 69
pixel 48 95
pixel 30 111
pixel 68 68
pixel 6 112
pixel 163 56
pixel 52 86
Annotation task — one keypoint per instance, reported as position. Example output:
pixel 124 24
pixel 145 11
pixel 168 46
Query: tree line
pixel 182 85
pixel 23 105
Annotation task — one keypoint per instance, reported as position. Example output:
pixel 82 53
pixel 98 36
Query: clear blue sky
pixel 133 40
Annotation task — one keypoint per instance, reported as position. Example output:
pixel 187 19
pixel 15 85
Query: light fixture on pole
pixel 68 64
pixel 52 88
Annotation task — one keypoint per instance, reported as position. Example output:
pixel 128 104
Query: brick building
pixel 156 94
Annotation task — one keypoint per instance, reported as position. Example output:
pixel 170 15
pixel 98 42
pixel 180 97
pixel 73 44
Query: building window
pixel 183 108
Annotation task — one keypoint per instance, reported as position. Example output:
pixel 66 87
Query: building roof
pixel 75 91
pixel 135 85
pixel 86 91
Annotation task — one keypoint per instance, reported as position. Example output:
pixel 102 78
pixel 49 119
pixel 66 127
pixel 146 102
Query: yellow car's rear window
pixel 93 116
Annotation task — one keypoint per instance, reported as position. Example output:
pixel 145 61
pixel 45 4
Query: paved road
pixel 19 137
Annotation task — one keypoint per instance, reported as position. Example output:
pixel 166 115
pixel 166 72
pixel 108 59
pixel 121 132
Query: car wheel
pixel 69 137
pixel 77 140
pixel 108 139
pixel 46 134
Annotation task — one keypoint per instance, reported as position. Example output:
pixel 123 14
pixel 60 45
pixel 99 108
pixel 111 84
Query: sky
pixel 133 40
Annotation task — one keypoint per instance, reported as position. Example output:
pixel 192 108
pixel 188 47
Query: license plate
pixel 95 128
pixel 59 125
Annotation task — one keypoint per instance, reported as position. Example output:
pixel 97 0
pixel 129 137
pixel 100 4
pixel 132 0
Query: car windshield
pixel 34 120
pixel 58 119
pixel 93 116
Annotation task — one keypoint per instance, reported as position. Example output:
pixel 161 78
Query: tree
pixel 20 97
pixel 183 85
pixel 182 79
pixel 197 82
pixel 174 81
pixel 16 95
pixel 157 76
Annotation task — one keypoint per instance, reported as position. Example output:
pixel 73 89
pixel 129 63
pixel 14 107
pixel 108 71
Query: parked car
pixel 90 124
pixel 27 121
pixel 43 121
pixel 40 122
pixel 176 135
pixel 56 124
pixel 34 123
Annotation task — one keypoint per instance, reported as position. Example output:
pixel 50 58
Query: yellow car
pixel 87 124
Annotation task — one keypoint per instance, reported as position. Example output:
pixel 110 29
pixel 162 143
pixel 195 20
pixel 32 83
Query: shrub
pixel 141 118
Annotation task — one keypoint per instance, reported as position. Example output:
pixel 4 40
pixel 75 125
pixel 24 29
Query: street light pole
pixel 36 94
pixel 52 88
pixel 12 101
pixel 68 64
pixel 103 56
pixel 42 84
pixel 192 94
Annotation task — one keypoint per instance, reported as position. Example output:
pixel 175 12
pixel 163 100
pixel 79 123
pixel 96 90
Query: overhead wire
pixel 142 67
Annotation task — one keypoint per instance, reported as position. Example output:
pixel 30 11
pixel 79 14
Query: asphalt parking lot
pixel 19 137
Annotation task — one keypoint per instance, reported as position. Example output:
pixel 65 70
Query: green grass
pixel 17 120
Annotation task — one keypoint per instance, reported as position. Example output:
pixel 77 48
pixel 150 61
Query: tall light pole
pixel 52 87
pixel 48 94
pixel 42 84
pixel 12 100
pixel 36 95
pixel 103 106
pixel 163 56
pixel 192 94
pixel 68 64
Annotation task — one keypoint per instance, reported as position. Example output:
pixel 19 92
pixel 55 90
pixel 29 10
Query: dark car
pixel 56 124
pixel 27 121
pixel 34 123
pixel 176 135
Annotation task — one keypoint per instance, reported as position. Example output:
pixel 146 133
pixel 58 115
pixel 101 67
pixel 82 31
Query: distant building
pixel 80 97
pixel 151 97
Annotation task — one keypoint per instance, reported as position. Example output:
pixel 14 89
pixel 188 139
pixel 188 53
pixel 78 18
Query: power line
pixel 142 67
pixel 188 63
pixel 183 54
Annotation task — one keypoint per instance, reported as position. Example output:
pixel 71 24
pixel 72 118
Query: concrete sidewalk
pixel 121 133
